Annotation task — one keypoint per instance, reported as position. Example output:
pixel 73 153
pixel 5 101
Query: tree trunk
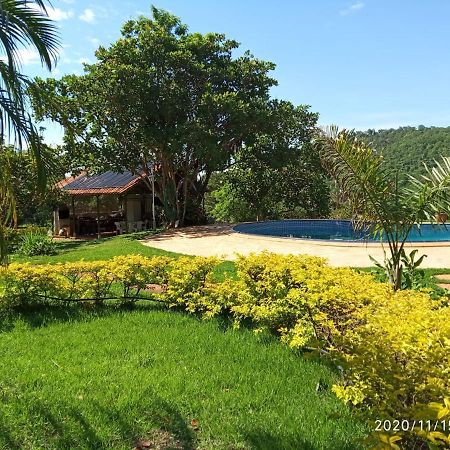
pixel 185 197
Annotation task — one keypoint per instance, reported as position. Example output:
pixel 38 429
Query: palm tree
pixel 387 203
pixel 23 24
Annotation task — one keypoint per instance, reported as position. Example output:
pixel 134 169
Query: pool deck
pixel 222 241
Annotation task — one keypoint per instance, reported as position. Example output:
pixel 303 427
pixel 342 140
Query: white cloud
pixel 56 14
pixel 88 16
pixel 28 56
pixel 84 61
pixel 59 14
pixel 94 41
pixel 352 9
pixel 64 58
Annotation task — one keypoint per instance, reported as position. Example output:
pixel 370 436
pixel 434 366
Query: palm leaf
pixel 359 173
pixel 25 23
pixel 7 202
pixel 430 193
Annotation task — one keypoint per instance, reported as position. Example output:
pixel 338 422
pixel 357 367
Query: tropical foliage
pixel 383 201
pixel 280 176
pixel 22 24
pixel 182 100
pixel 35 205
pixel 36 244
pixel 393 347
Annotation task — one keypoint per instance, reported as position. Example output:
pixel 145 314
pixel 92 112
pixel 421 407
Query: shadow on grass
pixel 94 426
pixel 140 235
pixel 195 232
pixel 262 440
pixel 90 425
pixel 67 246
pixel 38 316
pixel 76 243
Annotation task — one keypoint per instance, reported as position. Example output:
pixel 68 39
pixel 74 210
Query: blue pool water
pixel 334 230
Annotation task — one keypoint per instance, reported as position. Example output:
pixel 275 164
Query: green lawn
pixel 102 249
pixel 98 249
pixel 78 379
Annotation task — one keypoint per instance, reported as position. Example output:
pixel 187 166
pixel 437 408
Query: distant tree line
pixel 409 148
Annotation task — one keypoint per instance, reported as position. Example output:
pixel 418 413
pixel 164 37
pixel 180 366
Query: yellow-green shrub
pixel 134 272
pixel 265 281
pixel 25 283
pixel 188 284
pixel 393 347
pixel 97 280
pixel 86 279
pixel 398 359
pixel 403 347
pixel 329 302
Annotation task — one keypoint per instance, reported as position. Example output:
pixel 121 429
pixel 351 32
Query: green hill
pixel 407 148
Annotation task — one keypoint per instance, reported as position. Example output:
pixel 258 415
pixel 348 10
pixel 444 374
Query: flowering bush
pixel 393 347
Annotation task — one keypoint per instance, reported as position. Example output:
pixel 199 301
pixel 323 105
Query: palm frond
pixel 25 23
pixel 430 193
pixel 357 170
pixel 7 202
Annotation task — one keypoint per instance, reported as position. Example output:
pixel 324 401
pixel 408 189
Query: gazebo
pixel 107 203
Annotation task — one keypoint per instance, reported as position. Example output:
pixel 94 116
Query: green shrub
pixel 34 244
pixel 393 347
pixel 14 235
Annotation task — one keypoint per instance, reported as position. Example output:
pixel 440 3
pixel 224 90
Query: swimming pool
pixel 334 230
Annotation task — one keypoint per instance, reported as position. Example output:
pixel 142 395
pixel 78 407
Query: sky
pixel 360 63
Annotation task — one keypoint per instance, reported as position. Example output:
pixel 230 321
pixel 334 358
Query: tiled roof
pixel 104 183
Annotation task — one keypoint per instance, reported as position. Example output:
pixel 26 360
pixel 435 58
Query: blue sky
pixel 359 63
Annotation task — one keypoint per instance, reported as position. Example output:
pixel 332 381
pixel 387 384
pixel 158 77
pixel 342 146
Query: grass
pixel 104 379
pixel 94 250
pixel 109 378
pixel 428 280
pixel 107 248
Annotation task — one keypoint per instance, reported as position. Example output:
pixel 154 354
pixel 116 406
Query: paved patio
pixel 221 240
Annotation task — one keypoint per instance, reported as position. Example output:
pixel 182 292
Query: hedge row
pixel 393 347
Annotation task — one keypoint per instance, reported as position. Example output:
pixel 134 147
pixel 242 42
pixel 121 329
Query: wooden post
pixel 98 216
pixel 153 198
pixel 56 225
pixel 74 219
pixel 125 210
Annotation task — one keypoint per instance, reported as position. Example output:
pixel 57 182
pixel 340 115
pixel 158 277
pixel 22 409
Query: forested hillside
pixel 407 148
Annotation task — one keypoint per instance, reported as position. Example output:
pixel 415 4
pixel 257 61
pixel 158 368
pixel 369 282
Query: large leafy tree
pixel 389 202
pixel 34 205
pixel 280 176
pixel 23 24
pixel 162 94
